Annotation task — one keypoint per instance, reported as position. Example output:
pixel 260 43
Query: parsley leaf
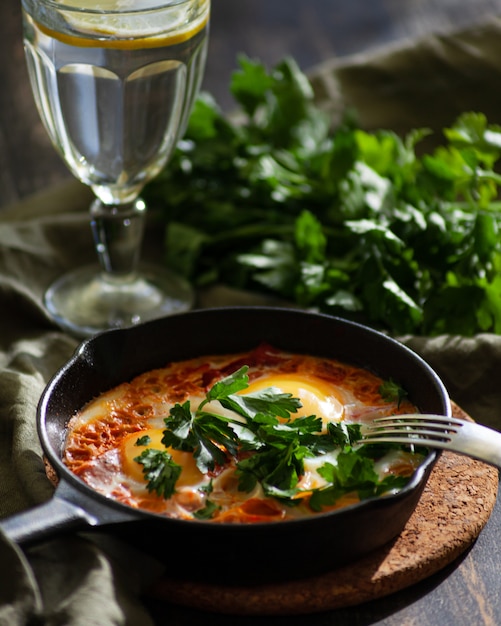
pixel 207 435
pixel 392 392
pixel 160 470
pixel 352 473
pixel 271 402
pixel 237 381
pixel 278 467
pixel 143 441
pixel 344 434
pixel 207 512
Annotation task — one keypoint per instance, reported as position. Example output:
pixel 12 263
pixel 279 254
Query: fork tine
pixel 406 436
pixel 422 418
pixel 438 423
pixel 410 427
pixel 403 427
pixel 406 423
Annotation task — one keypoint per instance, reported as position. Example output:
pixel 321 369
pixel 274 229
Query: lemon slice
pixel 125 24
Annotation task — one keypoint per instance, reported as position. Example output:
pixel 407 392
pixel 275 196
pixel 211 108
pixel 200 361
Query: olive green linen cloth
pixel 79 580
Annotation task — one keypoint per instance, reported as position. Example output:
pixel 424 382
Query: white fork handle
pixel 478 442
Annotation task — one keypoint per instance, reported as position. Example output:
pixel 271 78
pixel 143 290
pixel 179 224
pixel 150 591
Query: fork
pixel 437 431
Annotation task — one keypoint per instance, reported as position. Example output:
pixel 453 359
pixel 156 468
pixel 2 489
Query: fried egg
pixel 130 450
pixel 316 395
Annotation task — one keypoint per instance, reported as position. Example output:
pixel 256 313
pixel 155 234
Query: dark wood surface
pixel 468 593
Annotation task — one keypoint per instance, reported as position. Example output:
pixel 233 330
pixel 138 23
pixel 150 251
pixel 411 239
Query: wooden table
pixel 468 592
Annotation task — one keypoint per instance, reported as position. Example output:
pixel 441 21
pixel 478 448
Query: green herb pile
pixel 368 226
pixel 267 450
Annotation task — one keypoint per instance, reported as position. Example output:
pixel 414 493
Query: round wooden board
pixel 456 504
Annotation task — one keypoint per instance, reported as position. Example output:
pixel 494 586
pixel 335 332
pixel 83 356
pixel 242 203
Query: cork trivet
pixel 454 507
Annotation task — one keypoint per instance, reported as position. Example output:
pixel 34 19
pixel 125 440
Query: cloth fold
pixel 424 83
pixel 77 580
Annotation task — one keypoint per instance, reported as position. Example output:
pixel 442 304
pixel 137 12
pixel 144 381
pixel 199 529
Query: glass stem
pixel 118 234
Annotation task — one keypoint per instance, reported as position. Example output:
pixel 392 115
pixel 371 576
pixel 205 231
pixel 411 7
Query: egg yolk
pixel 317 396
pixel 190 474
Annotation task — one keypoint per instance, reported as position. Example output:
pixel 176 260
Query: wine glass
pixel 114 82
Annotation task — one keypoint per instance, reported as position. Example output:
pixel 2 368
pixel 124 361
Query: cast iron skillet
pixel 240 553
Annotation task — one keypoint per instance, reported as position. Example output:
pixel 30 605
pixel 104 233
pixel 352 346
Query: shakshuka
pixel 268 450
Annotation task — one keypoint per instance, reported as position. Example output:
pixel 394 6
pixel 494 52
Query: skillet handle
pixel 67 510
pixel 46 520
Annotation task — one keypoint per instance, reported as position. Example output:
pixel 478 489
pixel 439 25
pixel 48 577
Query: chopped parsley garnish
pixel 160 471
pixel 267 444
pixel 207 512
pixel 143 441
pixel 353 473
pixel 392 392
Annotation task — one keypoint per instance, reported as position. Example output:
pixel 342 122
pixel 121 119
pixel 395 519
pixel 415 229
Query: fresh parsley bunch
pixel 368 226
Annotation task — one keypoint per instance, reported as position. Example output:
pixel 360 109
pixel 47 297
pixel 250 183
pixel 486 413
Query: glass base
pixel 85 301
